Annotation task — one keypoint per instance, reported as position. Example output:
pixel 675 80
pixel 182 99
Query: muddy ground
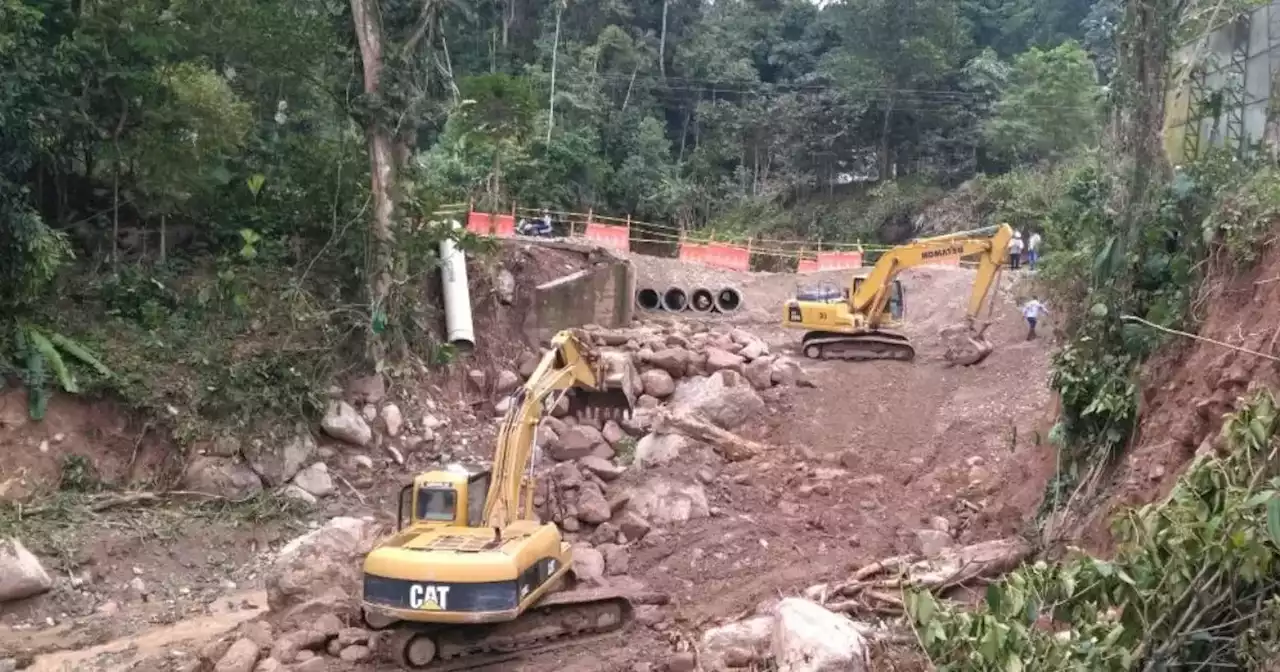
pixel 897 444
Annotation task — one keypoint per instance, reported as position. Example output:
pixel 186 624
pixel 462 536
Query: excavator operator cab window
pixel 437 504
pixel 897 296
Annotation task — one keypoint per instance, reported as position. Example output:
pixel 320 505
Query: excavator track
pixel 869 345
pixel 561 619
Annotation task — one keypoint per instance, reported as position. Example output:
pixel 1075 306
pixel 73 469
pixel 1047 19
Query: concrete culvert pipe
pixel 702 300
pixel 648 298
pixel 728 300
pixel 675 300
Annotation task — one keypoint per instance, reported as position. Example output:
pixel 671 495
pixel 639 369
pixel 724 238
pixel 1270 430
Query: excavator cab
pixel 895 307
pixel 452 497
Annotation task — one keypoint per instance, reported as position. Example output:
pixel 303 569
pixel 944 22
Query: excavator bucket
pixel 966 344
pixel 617 381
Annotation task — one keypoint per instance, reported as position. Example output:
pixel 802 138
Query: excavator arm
pixel 872 295
pixel 602 381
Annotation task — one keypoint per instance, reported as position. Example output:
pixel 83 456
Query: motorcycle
pixel 539 228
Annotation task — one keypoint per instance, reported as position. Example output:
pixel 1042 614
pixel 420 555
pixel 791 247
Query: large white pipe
pixel 457 294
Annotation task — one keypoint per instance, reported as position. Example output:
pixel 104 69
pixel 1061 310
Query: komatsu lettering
pixel 944 252
pixel 429 598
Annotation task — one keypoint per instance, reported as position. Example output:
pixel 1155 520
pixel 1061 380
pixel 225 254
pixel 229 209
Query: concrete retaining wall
pixel 600 294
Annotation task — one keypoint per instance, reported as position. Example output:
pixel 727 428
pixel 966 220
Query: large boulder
pixel 672 360
pixel 576 442
pixel 393 419
pixel 241 657
pixel 592 507
pixel 735 643
pixel 605 469
pixel 277 462
pixel 808 638
pixel 315 480
pixel 754 349
pixel 507 381
pixel 633 526
pixel 760 373
pixel 663 502
pixel 785 371
pixel 343 423
pixel 221 476
pixel 588 565
pixel 719 360
pixel 724 398
pixel 658 450
pixel 320 572
pixel 658 383
pixel 21 575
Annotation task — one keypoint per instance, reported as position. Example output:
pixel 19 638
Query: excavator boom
pixel 594 382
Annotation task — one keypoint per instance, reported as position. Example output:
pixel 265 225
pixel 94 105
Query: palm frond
pixel 81 353
pixel 50 353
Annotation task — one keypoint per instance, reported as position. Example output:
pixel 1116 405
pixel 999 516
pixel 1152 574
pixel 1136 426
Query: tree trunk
pixel 662 42
pixel 884 140
pixel 555 47
pixel 382 177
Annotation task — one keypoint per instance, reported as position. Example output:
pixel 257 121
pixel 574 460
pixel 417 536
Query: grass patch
pixel 65 525
pixel 625 451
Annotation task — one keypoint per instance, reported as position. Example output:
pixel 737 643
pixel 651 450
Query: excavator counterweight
pixel 472 577
pixel 865 323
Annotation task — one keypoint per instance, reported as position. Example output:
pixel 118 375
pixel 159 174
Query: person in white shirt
pixel 1031 310
pixel 1033 249
pixel 1015 251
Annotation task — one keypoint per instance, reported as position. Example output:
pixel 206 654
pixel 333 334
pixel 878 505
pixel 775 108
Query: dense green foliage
pixel 177 176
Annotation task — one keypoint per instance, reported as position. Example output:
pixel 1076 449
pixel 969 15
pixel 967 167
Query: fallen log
pixel 732 447
pixel 953 567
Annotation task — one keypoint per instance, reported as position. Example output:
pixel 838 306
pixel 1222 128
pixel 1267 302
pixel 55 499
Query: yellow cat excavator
pixel 471 576
pixel 863 322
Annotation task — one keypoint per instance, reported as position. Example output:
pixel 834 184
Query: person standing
pixel 1031 311
pixel 1015 251
pixel 1033 249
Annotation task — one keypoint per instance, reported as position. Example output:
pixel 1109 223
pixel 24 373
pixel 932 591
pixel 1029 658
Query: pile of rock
pixel 313 592
pixel 709 378
pixel 685 349
pixel 258 647
pixel 230 468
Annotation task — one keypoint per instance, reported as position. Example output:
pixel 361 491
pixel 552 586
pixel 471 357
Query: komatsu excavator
pixel 864 323
pixel 471 576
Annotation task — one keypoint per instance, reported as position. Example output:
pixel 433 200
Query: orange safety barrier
pixel 692 252
pixel 834 261
pixel 807 266
pixel 720 256
pixel 504 226
pixel 608 235
pixel 478 223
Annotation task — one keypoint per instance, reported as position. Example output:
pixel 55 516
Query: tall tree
pixel 398 100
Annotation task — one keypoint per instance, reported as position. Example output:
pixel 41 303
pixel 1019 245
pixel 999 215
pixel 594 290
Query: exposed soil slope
pixel 1192 384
